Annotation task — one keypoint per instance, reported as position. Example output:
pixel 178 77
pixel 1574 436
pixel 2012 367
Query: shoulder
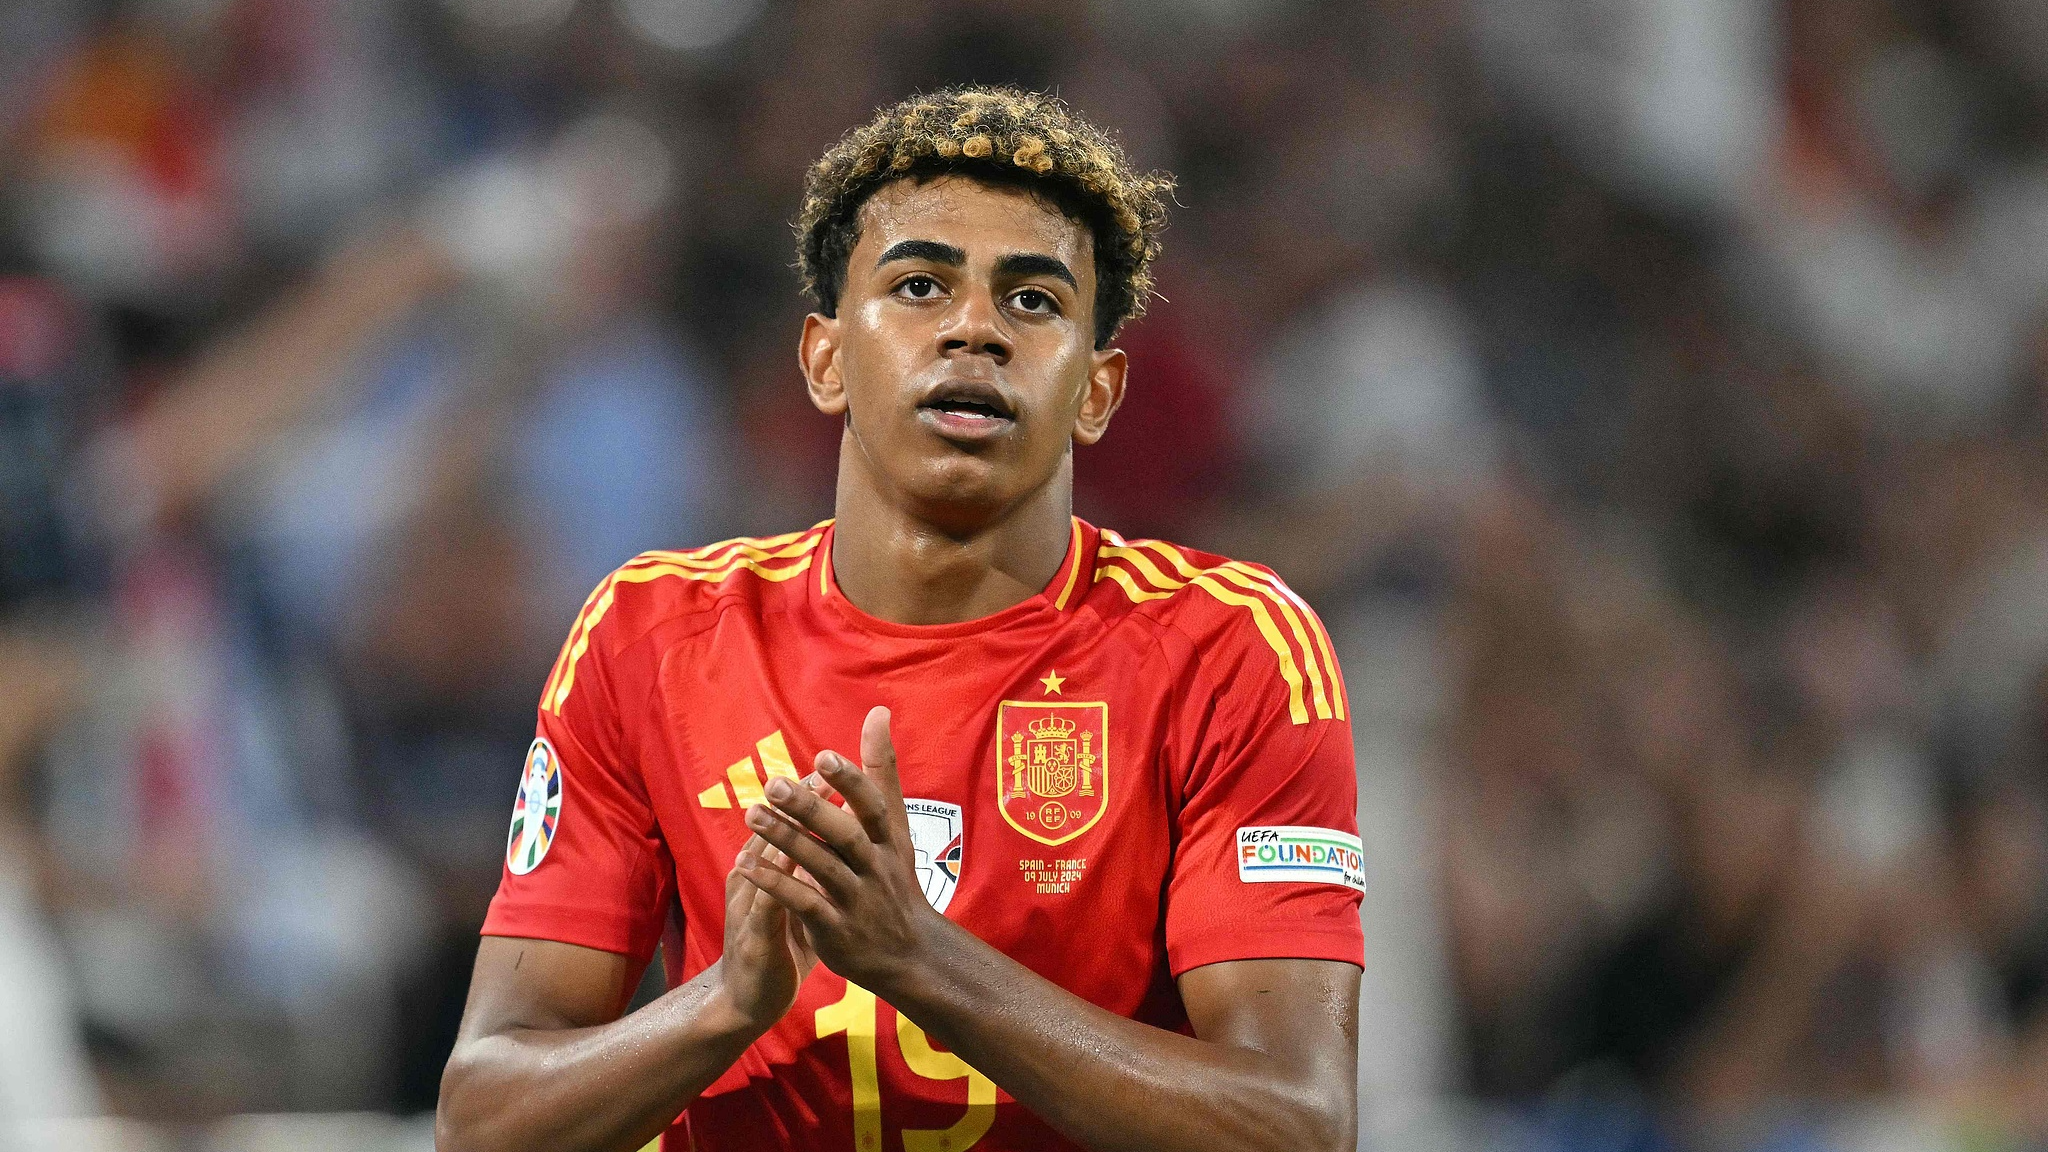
pixel 1252 634
pixel 681 592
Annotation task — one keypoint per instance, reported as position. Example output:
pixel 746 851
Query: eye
pixel 1036 302
pixel 919 287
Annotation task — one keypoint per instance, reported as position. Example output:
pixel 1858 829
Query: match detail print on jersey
pixel 536 811
pixel 1295 853
pixel 1052 767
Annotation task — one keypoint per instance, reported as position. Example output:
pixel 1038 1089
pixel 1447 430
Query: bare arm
pixel 545 1062
pixel 1271 1065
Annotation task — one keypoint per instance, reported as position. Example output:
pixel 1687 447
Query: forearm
pixel 610 1087
pixel 1105 1081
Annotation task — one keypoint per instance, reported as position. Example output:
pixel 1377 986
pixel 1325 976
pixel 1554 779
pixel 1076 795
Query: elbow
pixel 1320 1117
pixel 457 1126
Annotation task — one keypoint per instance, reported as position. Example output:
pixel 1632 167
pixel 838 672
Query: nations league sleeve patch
pixel 536 811
pixel 1293 852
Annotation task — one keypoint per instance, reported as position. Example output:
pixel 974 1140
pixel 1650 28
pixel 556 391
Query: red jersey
pixel 1143 769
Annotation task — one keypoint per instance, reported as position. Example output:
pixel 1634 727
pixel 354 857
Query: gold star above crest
pixel 1052 681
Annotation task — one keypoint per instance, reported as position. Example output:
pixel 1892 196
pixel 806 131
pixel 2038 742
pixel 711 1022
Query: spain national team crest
pixel 1052 767
pixel 537 811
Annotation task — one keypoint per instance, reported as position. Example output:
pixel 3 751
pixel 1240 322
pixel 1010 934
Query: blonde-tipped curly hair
pixel 1001 136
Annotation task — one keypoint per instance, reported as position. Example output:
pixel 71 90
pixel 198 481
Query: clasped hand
pixel 830 883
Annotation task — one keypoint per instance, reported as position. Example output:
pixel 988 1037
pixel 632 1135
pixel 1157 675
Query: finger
pixel 772 856
pixel 836 827
pixel 824 865
pixel 824 791
pixel 739 895
pixel 864 798
pixel 878 753
pixel 766 920
pixel 808 904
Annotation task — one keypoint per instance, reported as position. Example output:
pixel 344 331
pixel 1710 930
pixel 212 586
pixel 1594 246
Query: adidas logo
pixel 743 782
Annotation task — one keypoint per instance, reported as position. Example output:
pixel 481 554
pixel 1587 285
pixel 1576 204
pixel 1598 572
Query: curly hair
pixel 1000 136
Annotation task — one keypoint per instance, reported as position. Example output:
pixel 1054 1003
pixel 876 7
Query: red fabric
pixel 681 677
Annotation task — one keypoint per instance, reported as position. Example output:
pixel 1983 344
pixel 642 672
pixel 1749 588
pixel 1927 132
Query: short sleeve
pixel 585 862
pixel 1269 864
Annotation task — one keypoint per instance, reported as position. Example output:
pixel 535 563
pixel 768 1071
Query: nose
pixel 974 327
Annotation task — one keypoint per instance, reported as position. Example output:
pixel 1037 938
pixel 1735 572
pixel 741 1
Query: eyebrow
pixel 927 250
pixel 1022 264
pixel 1014 266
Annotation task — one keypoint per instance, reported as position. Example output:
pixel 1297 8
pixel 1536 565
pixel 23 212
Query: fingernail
pixel 779 789
pixel 758 816
pixel 744 861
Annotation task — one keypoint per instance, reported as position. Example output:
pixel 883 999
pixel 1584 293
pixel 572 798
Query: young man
pixel 1094 879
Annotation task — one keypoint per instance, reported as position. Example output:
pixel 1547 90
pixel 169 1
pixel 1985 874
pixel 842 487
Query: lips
pixel 969 398
pixel 967 411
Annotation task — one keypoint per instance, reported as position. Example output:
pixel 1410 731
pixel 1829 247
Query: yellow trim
pixel 1342 697
pixel 1208 581
pixel 759 542
pixel 1131 589
pixel 1073 550
pixel 732 552
pixel 714 797
pixel 608 592
pixel 1264 619
pixel 1252 580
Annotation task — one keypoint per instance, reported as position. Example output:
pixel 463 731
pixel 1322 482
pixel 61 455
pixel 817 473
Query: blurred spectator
pixel 1652 398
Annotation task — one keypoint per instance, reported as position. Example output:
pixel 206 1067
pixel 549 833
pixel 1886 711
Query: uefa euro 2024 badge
pixel 536 811
pixel 935 844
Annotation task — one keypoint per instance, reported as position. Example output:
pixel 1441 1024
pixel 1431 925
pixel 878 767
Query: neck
pixel 911 565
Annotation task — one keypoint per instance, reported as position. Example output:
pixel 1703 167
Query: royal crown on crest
pixel 1052 728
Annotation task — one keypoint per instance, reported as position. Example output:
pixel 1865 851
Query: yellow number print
pixel 935 1065
pixel 855 1014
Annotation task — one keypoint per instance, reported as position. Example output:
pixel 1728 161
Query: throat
pixel 892 567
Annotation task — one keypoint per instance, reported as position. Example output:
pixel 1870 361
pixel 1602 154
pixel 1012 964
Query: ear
pixel 817 354
pixel 1105 392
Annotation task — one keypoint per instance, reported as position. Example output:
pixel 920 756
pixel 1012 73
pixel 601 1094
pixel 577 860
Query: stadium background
pixel 1650 393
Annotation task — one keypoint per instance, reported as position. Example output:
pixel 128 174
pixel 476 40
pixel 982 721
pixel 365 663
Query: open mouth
pixel 967 407
pixel 970 408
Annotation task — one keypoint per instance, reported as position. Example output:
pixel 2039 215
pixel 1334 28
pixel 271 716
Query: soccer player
pixel 1093 879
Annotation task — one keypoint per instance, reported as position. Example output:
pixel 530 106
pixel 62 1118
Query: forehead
pixel 982 220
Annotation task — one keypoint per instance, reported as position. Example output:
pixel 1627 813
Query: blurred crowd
pixel 1653 396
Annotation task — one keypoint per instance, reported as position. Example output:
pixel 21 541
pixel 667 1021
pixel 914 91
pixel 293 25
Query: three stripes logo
pixel 770 558
pixel 1154 570
pixel 742 783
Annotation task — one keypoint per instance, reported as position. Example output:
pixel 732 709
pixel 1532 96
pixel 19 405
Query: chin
pixel 965 490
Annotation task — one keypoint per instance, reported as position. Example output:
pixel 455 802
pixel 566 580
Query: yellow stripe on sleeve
pixel 1253 580
pixel 1138 595
pixel 1342 697
pixel 639 573
pixel 1238 586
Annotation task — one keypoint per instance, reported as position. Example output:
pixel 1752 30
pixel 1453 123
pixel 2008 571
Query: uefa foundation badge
pixel 537 812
